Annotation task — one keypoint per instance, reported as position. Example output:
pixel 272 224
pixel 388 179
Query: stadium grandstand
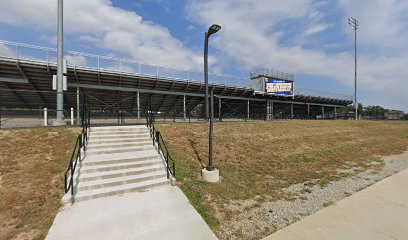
pixel 120 91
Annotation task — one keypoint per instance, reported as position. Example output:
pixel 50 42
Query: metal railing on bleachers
pixel 27 52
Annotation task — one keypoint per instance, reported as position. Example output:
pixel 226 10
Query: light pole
pixel 210 174
pixel 60 50
pixel 211 30
pixel 354 25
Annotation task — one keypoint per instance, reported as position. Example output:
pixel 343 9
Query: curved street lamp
pixel 211 30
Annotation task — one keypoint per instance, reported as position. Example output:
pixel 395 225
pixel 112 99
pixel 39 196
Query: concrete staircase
pixel 118 160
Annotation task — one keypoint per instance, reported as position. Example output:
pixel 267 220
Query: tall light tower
pixel 354 25
pixel 60 76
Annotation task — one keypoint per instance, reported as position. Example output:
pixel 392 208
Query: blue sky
pixel 309 38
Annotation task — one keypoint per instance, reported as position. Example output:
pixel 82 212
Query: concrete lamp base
pixel 211 176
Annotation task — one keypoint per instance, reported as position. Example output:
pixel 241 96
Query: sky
pixel 309 38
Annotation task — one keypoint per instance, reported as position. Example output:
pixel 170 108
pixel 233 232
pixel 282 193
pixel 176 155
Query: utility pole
pixel 60 47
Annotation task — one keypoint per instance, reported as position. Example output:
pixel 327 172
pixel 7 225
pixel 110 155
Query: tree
pixel 374 111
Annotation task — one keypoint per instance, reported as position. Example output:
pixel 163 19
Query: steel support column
pixel 248 109
pixel 138 105
pixel 219 109
pixel 267 111
pixel 323 112
pixel 271 110
pixel 291 111
pixel 308 111
pixel 77 100
pixel 335 113
pixel 184 108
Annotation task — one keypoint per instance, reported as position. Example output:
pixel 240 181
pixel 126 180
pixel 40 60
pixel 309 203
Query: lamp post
pixel 60 92
pixel 213 29
pixel 354 25
pixel 210 174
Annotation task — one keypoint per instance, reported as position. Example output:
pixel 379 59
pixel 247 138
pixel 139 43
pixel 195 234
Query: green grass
pixel 258 160
pixel 32 166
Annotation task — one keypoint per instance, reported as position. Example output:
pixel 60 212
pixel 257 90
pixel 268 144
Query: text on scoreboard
pixel 279 86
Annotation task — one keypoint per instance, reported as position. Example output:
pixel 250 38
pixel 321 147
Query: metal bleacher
pixel 26 82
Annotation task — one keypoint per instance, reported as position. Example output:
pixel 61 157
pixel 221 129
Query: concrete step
pixel 118 150
pixel 119 166
pixel 120 137
pixel 118 128
pixel 119 156
pixel 115 190
pixel 119 159
pixel 115 144
pixel 107 141
pixel 138 131
pixel 118 173
pixel 111 182
pixel 114 161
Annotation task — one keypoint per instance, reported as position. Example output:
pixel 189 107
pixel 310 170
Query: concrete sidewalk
pixel 377 212
pixel 158 213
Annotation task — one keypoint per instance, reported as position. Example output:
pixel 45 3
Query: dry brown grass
pixel 32 164
pixel 258 160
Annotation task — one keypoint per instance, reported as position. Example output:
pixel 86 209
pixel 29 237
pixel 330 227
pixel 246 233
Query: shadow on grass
pixel 193 145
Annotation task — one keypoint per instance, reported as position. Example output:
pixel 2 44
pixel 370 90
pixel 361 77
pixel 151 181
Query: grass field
pixel 32 166
pixel 258 160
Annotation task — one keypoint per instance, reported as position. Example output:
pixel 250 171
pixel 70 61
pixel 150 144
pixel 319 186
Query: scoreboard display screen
pixel 279 86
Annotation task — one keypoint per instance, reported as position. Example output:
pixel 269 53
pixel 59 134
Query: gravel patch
pixel 314 198
pixel 251 219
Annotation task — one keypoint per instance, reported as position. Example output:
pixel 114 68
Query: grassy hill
pixel 258 160
pixel 32 166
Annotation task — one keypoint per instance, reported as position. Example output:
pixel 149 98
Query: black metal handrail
pixel 161 146
pixel 81 142
pixel 86 125
pixel 76 155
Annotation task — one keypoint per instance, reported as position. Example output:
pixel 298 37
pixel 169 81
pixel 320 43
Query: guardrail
pixel 157 138
pixel 27 52
pixel 322 94
pixel 272 73
pixel 47 55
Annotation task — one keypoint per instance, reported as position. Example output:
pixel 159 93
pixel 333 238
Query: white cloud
pixel 100 23
pixel 316 29
pixel 257 34
pixel 262 33
pixel 251 37
pixel 6 51
pixel 383 24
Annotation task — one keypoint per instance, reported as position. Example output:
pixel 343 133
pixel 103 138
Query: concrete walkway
pixel 377 212
pixel 158 213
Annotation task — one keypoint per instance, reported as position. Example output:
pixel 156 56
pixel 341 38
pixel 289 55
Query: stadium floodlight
pixel 211 30
pixel 354 25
